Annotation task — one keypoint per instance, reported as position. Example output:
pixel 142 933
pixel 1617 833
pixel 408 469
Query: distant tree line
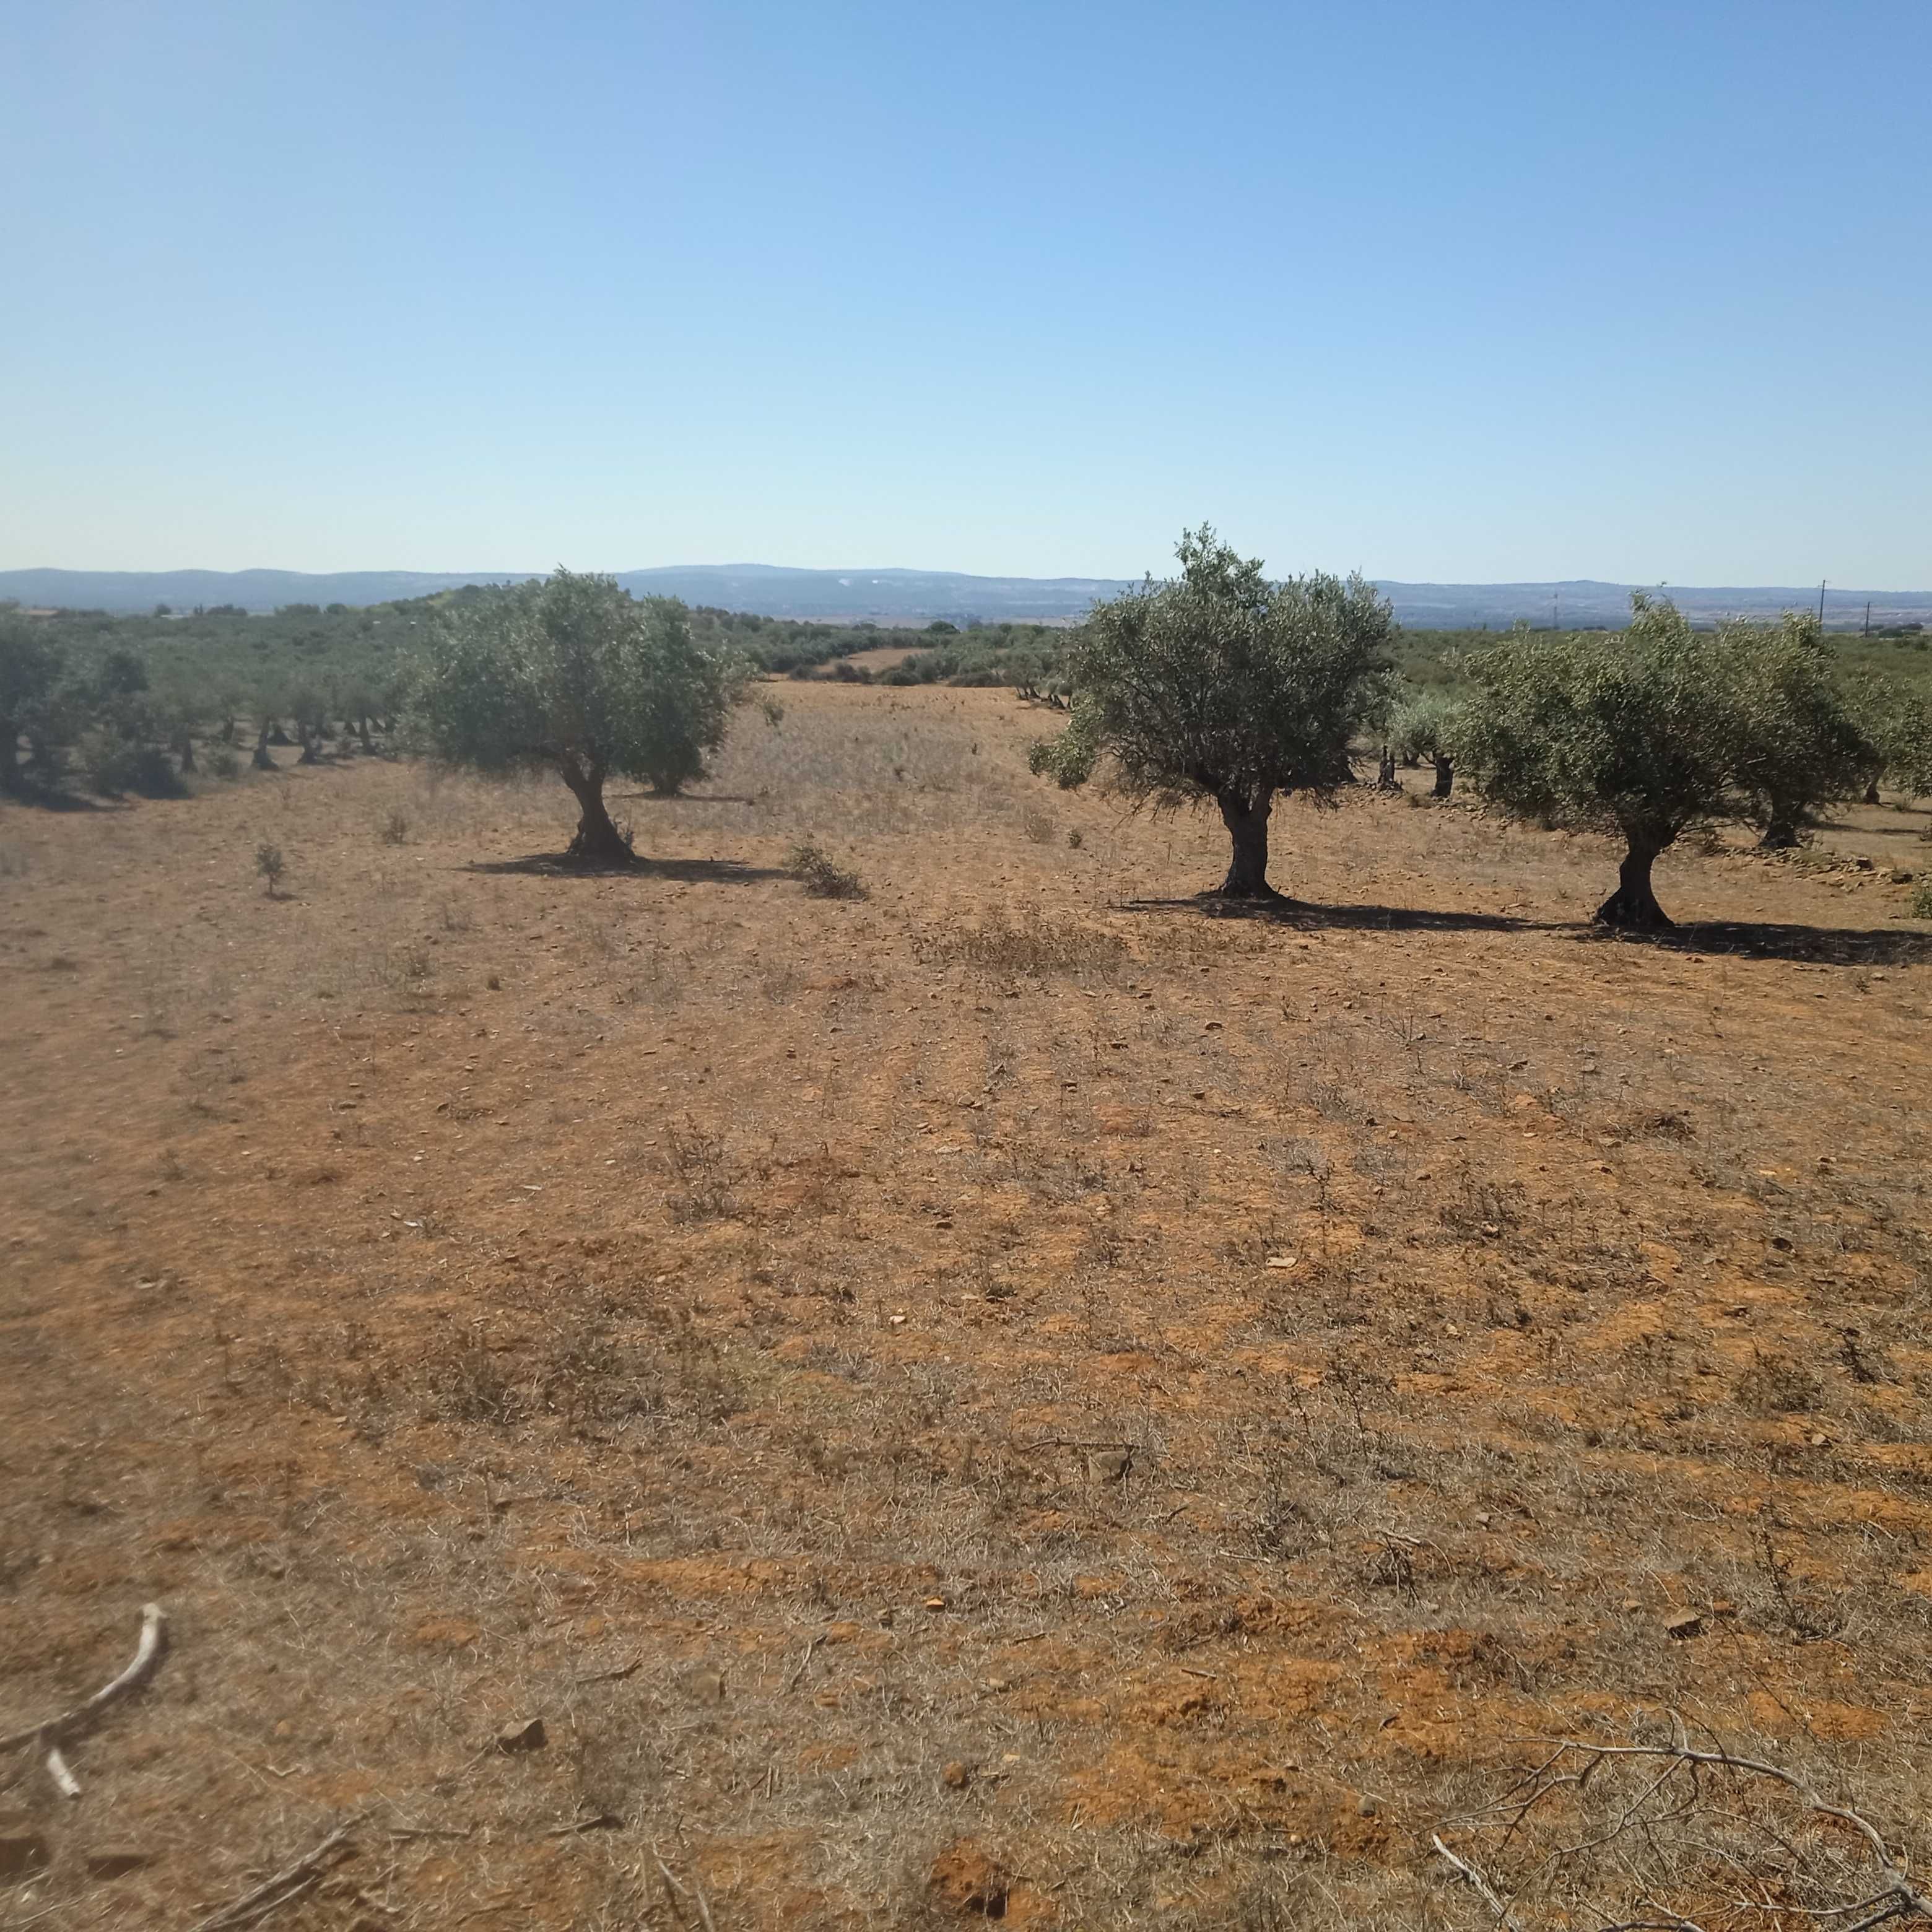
pixel 1220 685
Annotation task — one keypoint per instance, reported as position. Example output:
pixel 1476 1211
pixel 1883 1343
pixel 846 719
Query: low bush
pixel 821 875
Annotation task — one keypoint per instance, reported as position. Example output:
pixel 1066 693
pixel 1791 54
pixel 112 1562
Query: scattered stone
pixel 964 1878
pixel 117 1861
pixel 528 1735
pixel 1631 1604
pixel 706 1686
pixel 1366 1807
pixel 1110 1466
pixel 956 1776
pixel 23 1853
pixel 1681 1628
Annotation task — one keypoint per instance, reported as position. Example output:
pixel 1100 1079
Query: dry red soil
pixel 1010 1396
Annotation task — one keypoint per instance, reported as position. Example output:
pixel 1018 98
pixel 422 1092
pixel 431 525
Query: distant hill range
pixel 912 597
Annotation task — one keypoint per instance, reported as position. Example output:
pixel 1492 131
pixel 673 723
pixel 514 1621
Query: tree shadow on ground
pixel 683 798
pixel 681 871
pixel 53 798
pixel 1304 916
pixel 1807 945
pixel 1878 831
pixel 1797 945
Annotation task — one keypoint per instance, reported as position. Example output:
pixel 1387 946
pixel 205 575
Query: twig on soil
pixel 1486 1890
pixel 694 1891
pixel 804 1663
pixel 1900 1898
pixel 293 1878
pixel 65 1782
pixel 147 1654
pixel 617 1675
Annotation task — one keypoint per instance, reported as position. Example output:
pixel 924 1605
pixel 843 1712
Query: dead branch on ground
pixel 51 1735
pixel 1667 1837
pixel 295 1877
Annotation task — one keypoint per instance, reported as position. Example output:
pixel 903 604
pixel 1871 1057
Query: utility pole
pixel 1556 611
pixel 1821 603
pixel 1867 631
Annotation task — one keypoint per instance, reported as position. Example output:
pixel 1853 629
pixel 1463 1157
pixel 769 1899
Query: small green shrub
pixel 270 863
pixel 1922 898
pixel 394 829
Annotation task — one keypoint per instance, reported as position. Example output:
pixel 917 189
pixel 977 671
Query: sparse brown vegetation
pixel 1008 1388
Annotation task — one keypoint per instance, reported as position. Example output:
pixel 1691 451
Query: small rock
pixel 1366 1807
pixel 1631 1604
pixel 956 1776
pixel 1110 1466
pixel 964 1877
pixel 117 1861
pixel 527 1735
pixel 1680 1629
pixel 22 1854
pixel 706 1686
pixel 1900 876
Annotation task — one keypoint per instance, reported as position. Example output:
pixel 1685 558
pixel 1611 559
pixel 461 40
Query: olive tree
pixel 1219 686
pixel 1423 726
pixel 32 670
pixel 1631 733
pixel 1798 741
pixel 572 674
pixel 1897 718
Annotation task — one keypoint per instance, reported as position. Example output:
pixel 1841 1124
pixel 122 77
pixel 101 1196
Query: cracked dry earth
pixel 1010 1398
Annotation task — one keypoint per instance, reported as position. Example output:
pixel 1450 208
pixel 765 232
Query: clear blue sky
pixel 1467 292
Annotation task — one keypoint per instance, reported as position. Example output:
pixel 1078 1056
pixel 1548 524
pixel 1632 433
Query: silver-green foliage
pixel 1221 685
pixel 570 674
pixel 1649 732
pixel 1797 741
pixel 1897 719
pixel 1420 725
pixel 1630 733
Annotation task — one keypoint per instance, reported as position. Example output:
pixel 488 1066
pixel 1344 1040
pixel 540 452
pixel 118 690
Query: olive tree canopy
pixel 1897 719
pixel 1629 732
pixel 570 674
pixel 1798 742
pixel 1219 685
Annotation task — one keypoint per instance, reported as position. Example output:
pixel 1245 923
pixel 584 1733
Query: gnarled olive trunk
pixel 598 840
pixel 1445 774
pixel 1780 829
pixel 1871 792
pixel 12 778
pixel 1247 820
pixel 1632 906
pixel 261 760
